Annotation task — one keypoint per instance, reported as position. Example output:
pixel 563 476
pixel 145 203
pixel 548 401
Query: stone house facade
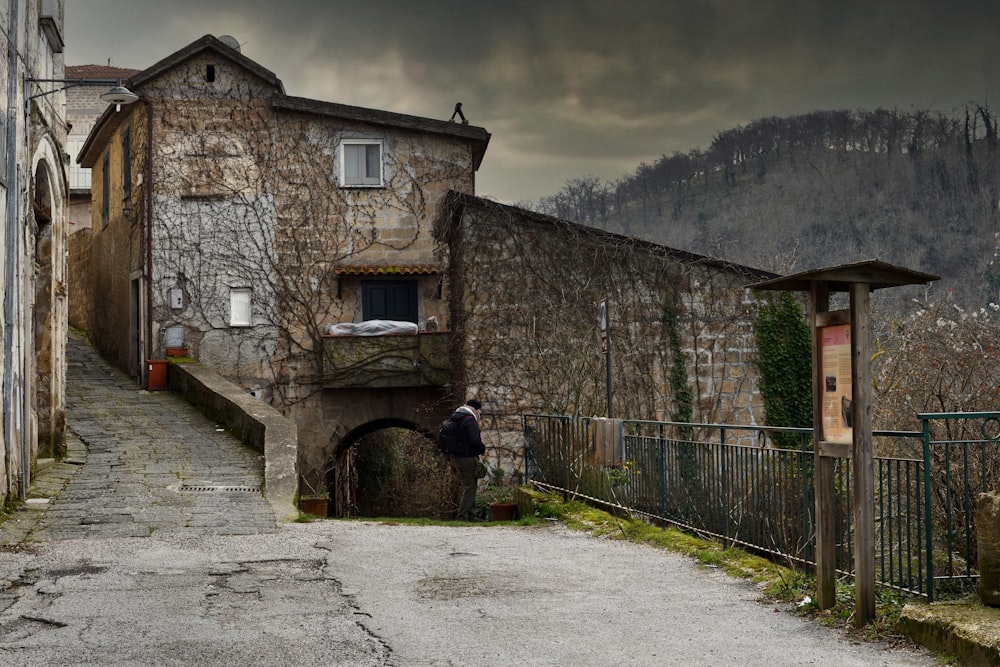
pixel 235 222
pixel 83 108
pixel 219 202
pixel 238 224
pixel 33 244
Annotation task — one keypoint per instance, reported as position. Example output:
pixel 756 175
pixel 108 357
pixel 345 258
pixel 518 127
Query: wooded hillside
pixel 919 189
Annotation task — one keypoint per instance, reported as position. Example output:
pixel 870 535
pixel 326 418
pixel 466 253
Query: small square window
pixel 239 306
pixel 361 163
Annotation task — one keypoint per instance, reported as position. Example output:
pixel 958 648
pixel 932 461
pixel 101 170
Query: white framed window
pixel 79 177
pixel 240 300
pixel 361 162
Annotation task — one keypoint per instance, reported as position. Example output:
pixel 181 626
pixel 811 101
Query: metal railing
pixel 961 450
pixel 753 486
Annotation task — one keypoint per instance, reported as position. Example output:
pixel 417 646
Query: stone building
pixel 235 222
pixel 83 108
pixel 33 244
pixel 250 229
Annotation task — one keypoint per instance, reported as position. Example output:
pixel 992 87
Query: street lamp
pixel 117 95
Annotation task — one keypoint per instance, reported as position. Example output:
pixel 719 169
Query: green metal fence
pixel 962 450
pixel 753 486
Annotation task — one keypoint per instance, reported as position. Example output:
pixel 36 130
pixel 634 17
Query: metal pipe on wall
pixel 148 220
pixel 12 239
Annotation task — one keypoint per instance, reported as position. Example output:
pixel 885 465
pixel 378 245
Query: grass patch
pixel 776 582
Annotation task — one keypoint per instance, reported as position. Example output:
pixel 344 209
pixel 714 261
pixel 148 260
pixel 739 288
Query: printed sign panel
pixel 838 417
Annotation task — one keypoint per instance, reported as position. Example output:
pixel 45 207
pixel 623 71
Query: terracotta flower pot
pixel 503 511
pixel 314 505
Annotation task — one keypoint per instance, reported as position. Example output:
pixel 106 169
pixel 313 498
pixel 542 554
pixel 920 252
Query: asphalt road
pixel 361 593
pixel 112 564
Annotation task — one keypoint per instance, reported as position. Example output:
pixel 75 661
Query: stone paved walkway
pixel 139 463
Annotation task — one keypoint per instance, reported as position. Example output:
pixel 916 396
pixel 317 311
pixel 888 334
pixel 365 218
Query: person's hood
pixel 467 410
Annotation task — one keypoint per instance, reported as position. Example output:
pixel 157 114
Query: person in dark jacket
pixel 465 459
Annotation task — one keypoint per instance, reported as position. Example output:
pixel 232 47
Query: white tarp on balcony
pixel 371 328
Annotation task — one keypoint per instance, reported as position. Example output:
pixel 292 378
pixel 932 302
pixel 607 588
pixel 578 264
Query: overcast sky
pixel 571 88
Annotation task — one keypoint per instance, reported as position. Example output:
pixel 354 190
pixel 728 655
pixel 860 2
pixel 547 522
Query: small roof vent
pixel 231 42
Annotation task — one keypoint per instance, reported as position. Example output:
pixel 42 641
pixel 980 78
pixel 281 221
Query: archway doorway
pixel 391 469
pixel 43 323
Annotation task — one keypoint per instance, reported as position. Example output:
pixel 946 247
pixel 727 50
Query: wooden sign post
pixel 842 413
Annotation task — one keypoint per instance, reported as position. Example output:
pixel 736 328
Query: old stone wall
pixel 526 290
pixel 79 280
pixel 331 421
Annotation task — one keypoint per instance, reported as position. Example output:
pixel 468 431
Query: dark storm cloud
pixel 571 87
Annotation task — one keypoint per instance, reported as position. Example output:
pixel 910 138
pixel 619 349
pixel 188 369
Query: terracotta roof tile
pixel 98 72
pixel 389 270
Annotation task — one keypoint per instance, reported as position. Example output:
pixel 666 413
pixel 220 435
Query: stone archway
pixel 390 468
pixel 45 223
pixel 342 474
pixel 331 422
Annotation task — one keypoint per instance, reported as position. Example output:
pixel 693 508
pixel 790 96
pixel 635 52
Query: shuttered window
pixel 240 302
pixel 361 162
pixel 127 162
pixel 105 189
pixel 390 300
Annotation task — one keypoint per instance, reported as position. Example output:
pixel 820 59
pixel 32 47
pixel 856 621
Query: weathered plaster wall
pixel 32 246
pixel 249 197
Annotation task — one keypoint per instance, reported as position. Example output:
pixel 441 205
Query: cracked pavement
pixel 111 565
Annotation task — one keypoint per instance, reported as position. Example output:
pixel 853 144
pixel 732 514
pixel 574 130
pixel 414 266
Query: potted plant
pixel 316 499
pixel 496 500
pixel 177 352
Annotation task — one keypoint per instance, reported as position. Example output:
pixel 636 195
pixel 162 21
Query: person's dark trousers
pixel 466 467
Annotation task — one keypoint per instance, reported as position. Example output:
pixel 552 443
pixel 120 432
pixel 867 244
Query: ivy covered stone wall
pixel 525 292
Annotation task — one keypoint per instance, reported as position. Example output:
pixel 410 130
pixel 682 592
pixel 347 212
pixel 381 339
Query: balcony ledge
pixel 386 362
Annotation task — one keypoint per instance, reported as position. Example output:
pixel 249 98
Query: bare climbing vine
pixel 530 287
pixel 255 203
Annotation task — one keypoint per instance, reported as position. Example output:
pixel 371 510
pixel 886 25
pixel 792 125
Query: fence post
pixel 663 472
pixel 928 534
pixel 725 482
pixel 564 447
pixel 864 480
pixel 823 481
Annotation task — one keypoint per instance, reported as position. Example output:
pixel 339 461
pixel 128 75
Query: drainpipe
pixel 12 291
pixel 149 229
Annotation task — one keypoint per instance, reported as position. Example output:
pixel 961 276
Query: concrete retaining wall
pixel 256 423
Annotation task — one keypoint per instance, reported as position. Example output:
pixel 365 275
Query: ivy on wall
pixel 683 396
pixel 784 360
pixel 529 286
